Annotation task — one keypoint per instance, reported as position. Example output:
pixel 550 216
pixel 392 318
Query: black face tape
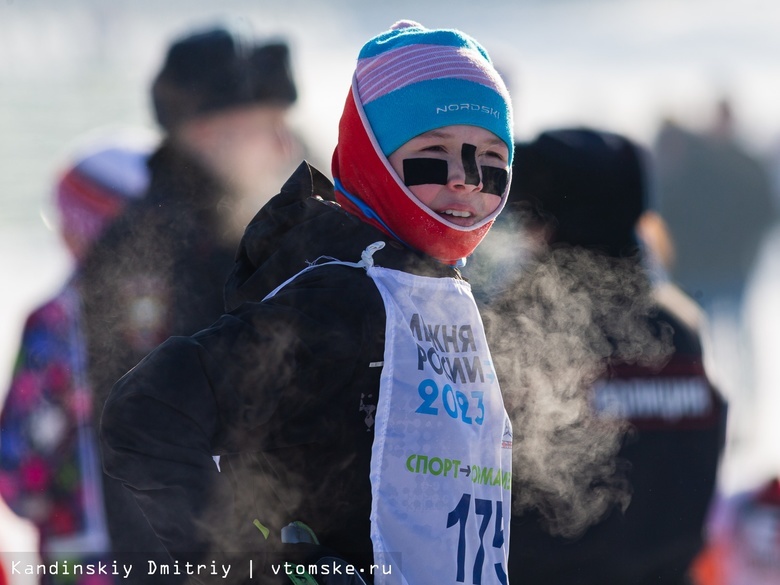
pixel 468 153
pixel 494 180
pixel 434 171
pixel 425 171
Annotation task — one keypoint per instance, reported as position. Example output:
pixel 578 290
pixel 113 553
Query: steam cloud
pixel 553 332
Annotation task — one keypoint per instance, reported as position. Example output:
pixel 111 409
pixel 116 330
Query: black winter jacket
pixel 283 390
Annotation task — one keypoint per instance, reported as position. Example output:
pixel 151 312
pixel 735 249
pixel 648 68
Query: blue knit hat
pixel 411 80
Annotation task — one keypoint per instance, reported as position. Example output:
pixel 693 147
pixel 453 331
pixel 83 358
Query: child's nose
pixel 465 173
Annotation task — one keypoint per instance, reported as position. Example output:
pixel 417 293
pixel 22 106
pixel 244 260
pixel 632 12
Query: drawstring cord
pixel 366 261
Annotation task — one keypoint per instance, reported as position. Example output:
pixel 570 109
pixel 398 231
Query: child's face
pixel 460 172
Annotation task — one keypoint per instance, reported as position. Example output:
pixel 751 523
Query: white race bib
pixel 441 457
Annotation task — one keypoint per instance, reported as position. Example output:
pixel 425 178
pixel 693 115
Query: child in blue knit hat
pixel 349 391
pixel 409 84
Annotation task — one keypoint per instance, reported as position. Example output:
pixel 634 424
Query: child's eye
pixel 494 154
pixel 434 148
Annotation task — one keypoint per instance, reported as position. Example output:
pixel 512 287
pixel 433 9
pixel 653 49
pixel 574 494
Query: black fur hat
pixel 587 186
pixel 217 69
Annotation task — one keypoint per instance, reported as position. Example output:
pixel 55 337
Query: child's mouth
pixel 459 217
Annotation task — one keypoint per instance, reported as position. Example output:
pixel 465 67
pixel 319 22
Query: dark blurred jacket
pixel 158 271
pixel 672 449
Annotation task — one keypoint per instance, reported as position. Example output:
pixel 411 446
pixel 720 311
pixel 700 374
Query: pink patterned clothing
pixel 49 464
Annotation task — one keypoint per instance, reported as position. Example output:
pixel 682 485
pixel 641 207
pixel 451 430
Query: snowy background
pixel 623 65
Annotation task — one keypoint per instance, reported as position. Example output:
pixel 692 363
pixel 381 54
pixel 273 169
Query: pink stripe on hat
pixel 397 68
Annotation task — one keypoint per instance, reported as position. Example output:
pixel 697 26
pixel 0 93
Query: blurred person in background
pixel 618 429
pixel 744 530
pixel 743 545
pixel 717 200
pixel 222 100
pixel 49 464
